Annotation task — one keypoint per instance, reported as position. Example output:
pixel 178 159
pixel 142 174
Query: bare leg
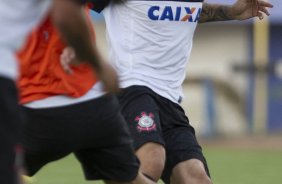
pixel 152 158
pixel 190 172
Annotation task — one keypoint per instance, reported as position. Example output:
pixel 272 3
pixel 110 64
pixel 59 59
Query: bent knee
pixel 192 170
pixel 198 173
pixel 151 152
pixel 197 169
pixel 152 158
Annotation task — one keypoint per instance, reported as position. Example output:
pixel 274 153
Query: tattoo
pixel 214 13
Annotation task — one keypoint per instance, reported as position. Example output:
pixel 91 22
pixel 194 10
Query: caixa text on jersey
pixel 189 14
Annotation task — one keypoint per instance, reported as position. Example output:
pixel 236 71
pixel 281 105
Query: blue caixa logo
pixel 168 13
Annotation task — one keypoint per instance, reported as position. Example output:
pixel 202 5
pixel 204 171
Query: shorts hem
pixel 137 146
pixel 167 172
pixel 128 179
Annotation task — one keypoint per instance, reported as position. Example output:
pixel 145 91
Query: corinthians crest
pixel 145 122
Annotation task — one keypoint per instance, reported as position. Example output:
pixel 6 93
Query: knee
pixel 198 172
pixel 152 158
pixel 191 171
pixel 152 153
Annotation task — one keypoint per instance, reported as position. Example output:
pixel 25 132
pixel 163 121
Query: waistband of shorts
pixel 147 90
pixel 85 105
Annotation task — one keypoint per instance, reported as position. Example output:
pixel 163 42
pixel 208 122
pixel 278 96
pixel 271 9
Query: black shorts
pixel 94 131
pixel 9 130
pixel 152 118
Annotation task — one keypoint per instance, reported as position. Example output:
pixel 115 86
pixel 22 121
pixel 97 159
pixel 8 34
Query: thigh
pixel 7 160
pixel 180 139
pixel 9 127
pixel 52 133
pixel 181 145
pixel 111 154
pixel 7 154
pixel 49 134
pixel 10 114
pixel 114 163
pixel 41 139
pixel 142 116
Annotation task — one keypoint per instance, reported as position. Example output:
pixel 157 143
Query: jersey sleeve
pixel 97 5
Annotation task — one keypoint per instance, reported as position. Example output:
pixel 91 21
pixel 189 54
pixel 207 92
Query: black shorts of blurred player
pixel 10 122
pixel 154 119
pixel 94 131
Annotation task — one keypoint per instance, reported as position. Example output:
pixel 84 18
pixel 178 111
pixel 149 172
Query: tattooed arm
pixel 241 10
pixel 214 12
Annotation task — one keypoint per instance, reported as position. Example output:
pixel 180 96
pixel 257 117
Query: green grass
pixel 245 166
pixel 226 166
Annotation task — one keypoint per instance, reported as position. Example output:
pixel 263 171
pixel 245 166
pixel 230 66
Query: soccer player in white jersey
pixel 150 43
pixel 17 18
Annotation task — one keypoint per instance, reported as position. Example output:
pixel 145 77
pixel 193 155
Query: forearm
pixel 215 12
pixel 69 18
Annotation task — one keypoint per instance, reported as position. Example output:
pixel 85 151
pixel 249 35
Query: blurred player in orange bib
pixel 71 112
pixel 17 18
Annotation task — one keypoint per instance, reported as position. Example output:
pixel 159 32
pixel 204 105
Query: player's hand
pixel 68 58
pixel 109 78
pixel 106 73
pixel 245 9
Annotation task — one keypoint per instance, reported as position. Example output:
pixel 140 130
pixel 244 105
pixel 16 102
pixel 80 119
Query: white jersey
pixel 17 18
pixel 150 42
pixel 62 100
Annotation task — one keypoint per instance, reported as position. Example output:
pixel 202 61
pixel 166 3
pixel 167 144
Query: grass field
pixel 227 166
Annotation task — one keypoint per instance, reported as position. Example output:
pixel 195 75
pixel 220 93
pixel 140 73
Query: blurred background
pixel 233 98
